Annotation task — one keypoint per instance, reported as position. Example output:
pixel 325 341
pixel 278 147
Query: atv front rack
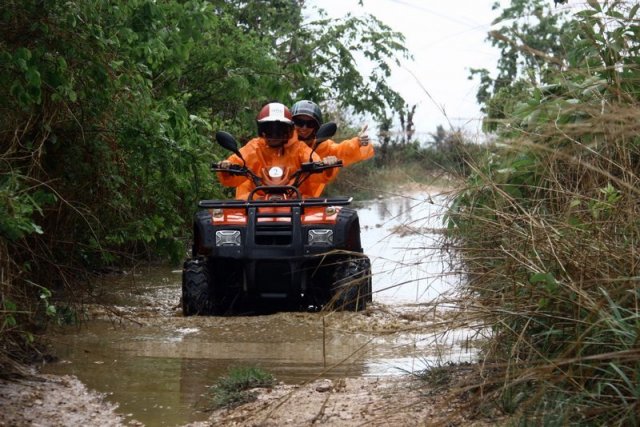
pixel 301 203
pixel 272 233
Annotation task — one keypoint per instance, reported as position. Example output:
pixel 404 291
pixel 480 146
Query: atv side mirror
pixel 226 140
pixel 325 132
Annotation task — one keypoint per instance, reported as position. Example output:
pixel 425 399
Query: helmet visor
pixel 277 133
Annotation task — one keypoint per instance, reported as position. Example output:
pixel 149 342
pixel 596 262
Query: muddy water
pixel 402 236
pixel 157 364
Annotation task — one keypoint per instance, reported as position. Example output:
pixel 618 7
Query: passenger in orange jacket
pixel 307 118
pixel 275 154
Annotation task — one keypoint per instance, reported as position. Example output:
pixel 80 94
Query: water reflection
pixel 402 236
pixel 160 375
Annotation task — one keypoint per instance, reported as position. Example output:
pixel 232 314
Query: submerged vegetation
pixel 548 229
pixel 235 388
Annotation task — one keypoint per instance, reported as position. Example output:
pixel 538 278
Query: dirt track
pixel 47 400
pixel 52 400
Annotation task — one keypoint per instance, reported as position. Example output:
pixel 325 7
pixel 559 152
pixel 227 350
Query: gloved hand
pixel 330 160
pixel 224 164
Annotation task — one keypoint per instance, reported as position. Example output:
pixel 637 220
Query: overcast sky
pixel 446 38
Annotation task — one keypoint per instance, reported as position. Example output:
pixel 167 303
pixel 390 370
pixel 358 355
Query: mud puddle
pixel 157 365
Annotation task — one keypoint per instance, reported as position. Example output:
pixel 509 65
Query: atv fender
pixel 347 230
pixel 203 233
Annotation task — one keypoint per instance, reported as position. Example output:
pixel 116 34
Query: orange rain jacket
pixel 260 158
pixel 349 151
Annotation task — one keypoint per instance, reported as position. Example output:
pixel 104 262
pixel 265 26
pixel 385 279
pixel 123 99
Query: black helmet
pixel 307 108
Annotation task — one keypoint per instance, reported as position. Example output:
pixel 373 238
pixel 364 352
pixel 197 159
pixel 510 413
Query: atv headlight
pixel 321 236
pixel 228 238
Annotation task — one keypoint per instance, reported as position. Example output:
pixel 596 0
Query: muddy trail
pixel 156 365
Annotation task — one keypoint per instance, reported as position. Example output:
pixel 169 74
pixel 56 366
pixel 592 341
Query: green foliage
pixel 9 310
pixel 548 232
pixel 285 57
pixel 531 35
pixel 334 73
pixel 18 206
pixel 234 389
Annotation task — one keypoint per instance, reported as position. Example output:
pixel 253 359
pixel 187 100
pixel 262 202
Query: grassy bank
pixel 551 255
pixel 548 232
pixel 367 181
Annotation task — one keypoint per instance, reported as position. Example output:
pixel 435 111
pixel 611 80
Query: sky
pixel 446 39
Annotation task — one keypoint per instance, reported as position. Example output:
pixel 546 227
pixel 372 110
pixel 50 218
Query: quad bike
pixel 276 250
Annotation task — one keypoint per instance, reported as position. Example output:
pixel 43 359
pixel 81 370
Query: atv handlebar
pixel 316 167
pixel 309 168
pixel 298 177
pixel 234 169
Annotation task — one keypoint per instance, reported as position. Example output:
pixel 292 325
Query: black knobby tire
pixel 351 287
pixel 369 279
pixel 196 293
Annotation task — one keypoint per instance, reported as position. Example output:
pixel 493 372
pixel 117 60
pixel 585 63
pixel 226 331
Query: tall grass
pixel 548 230
pixel 549 234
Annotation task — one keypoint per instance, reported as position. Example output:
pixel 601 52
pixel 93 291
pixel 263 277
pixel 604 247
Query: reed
pixel 548 234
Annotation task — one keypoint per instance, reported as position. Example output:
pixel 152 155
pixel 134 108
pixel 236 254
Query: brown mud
pixel 135 360
pixel 323 398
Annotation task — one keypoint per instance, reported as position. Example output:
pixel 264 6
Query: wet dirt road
pixel 156 364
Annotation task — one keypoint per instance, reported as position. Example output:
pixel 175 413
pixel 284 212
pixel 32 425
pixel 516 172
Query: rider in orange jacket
pixel 307 118
pixel 275 152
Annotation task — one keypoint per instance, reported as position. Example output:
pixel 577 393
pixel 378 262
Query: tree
pixel 406 123
pixel 285 57
pixel 531 37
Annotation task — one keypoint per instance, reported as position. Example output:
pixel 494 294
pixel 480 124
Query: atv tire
pixel 196 295
pixel 351 289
